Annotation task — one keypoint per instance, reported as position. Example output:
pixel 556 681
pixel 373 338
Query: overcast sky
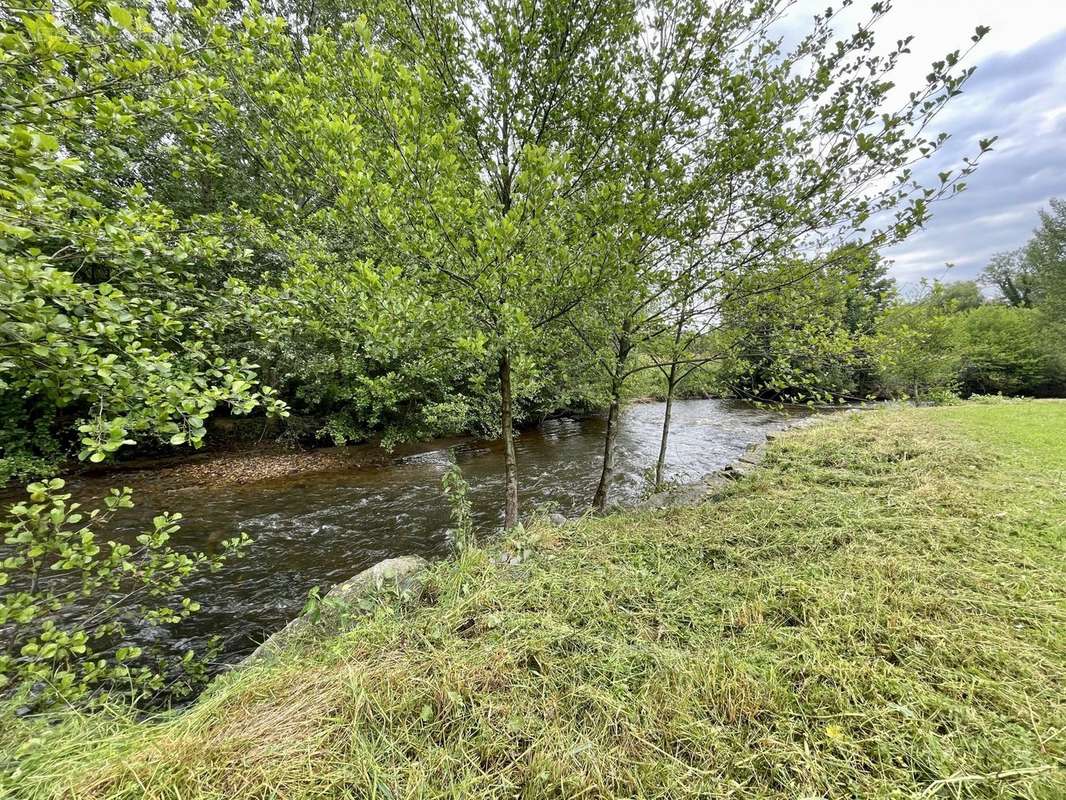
pixel 1017 93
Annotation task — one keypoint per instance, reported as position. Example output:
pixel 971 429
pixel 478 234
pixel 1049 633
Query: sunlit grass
pixel 878 611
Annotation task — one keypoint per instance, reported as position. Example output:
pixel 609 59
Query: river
pixel 314 530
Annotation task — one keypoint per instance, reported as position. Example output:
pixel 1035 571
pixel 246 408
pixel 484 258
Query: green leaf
pixel 120 16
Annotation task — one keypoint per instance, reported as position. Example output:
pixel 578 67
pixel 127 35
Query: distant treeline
pixel 943 339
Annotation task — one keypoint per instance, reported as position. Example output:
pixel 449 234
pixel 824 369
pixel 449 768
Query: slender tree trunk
pixel 599 500
pixel 510 514
pixel 672 379
pixel 660 465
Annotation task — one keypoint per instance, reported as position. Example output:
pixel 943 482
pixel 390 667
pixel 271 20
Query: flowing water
pixel 314 530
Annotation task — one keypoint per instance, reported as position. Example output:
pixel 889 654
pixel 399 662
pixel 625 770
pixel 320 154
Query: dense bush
pixel 1005 350
pixel 916 347
pixel 925 347
pixel 830 339
pixel 812 339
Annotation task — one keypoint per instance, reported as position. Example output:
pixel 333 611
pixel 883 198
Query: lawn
pixel 878 611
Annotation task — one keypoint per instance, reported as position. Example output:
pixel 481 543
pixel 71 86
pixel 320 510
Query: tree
pixel 471 195
pixel 810 338
pixel 1014 275
pixel 1046 252
pixel 507 217
pixel 927 349
pixel 754 196
pixel 521 165
pixel 1002 350
pixel 917 350
pixel 956 296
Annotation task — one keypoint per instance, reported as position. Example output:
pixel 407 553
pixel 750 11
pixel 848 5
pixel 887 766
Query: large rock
pixel 402 574
pixel 687 494
pixel 402 577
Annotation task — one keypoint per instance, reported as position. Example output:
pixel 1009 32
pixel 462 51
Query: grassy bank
pixel 878 611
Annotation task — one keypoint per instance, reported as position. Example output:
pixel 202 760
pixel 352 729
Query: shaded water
pixel 319 529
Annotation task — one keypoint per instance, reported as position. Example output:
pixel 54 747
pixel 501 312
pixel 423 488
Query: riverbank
pixel 876 610
pixel 313 530
pixel 257 454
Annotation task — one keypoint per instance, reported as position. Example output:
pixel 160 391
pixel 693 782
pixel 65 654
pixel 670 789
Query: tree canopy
pixel 408 219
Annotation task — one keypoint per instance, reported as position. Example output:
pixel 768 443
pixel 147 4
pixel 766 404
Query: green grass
pixel 878 611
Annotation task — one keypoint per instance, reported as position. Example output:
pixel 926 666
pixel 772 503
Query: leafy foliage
pixel 811 338
pixel 456 490
pixel 935 344
pixel 1046 251
pixel 1003 350
pixel 1013 276
pixel 411 219
pixel 917 350
pixel 55 558
pixel 1034 276
pixel 108 296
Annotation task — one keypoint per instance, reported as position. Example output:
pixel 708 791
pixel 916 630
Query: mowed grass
pixel 878 611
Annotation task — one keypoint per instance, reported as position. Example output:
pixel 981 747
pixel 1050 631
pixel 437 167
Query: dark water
pixel 319 529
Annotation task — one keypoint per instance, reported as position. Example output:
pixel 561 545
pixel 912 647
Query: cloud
pixel 1021 97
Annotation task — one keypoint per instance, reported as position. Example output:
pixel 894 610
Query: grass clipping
pixel 876 612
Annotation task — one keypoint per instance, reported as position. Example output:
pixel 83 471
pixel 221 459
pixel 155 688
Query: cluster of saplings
pixel 410 218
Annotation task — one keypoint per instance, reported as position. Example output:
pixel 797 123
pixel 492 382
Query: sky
pixel 1017 93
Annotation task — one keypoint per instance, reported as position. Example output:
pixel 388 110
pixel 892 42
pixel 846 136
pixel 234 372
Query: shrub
pixel 917 350
pixel 70 597
pixel 1002 351
pixel 991 349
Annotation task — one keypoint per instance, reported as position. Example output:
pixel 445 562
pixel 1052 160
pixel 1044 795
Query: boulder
pixel 755 452
pixel 345 601
pixel 402 574
pixel 716 482
pixel 739 469
pixel 686 494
